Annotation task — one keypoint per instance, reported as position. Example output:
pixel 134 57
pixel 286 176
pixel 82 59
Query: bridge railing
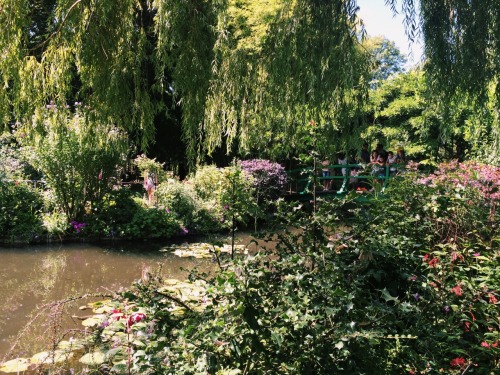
pixel 301 180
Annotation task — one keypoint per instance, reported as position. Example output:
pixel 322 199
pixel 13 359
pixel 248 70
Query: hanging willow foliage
pixel 244 72
pixel 462 43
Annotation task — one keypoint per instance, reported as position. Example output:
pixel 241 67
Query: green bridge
pixel 342 178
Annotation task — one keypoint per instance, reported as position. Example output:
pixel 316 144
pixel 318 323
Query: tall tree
pixel 242 72
pixel 386 57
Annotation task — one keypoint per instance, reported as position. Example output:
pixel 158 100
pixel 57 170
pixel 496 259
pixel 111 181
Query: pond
pixel 38 275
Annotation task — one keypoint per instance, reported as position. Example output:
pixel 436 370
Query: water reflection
pixel 36 276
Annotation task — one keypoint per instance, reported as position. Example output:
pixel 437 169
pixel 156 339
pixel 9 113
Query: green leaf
pixel 93 358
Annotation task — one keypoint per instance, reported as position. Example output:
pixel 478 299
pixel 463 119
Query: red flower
pixel 457 362
pixel 457 290
pixel 492 298
pixel 135 318
pixel 433 262
pixel 466 326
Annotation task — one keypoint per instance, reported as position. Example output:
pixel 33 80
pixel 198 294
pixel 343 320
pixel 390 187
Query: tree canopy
pixel 243 73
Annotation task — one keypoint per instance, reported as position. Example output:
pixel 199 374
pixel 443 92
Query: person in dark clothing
pixel 365 154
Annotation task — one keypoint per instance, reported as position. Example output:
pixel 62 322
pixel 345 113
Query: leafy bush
pixel 79 160
pixel 20 207
pixel 178 197
pixel 113 215
pixel 153 223
pixel 227 194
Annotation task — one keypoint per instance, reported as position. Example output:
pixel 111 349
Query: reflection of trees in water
pixel 29 287
pixel 32 279
pixel 50 271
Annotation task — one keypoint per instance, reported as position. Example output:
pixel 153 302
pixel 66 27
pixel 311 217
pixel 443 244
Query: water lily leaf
pixel 94 321
pixel 97 304
pixel 57 356
pixel 71 345
pixel 15 365
pixel 93 358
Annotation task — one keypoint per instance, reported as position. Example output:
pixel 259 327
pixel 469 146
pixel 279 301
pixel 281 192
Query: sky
pixel 379 20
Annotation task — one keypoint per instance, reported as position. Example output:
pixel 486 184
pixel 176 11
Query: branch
pixel 176 300
pixel 41 44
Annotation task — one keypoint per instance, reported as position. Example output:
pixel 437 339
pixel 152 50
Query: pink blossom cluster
pixel 485 179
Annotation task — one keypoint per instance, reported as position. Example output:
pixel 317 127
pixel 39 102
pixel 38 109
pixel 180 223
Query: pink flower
pixel 457 362
pixel 492 298
pixel 100 175
pixel 484 344
pixel 457 290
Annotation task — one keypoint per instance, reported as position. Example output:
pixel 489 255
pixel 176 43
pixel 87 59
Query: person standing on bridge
pixel 365 154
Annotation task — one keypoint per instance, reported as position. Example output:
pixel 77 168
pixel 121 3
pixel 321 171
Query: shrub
pixel 269 178
pixel 79 160
pixel 112 217
pixel 20 207
pixel 179 198
pixel 227 194
pixel 153 223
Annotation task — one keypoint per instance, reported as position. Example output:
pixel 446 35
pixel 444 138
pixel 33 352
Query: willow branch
pixel 41 44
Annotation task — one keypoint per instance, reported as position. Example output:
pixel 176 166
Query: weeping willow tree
pixel 245 73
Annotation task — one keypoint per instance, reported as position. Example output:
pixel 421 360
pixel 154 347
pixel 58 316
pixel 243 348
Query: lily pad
pixel 72 344
pixel 93 358
pixel 93 321
pixel 15 365
pixel 57 356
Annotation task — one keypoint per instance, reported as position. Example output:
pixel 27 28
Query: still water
pixel 34 276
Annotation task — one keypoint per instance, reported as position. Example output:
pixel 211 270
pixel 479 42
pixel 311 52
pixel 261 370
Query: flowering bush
pixel 478 182
pixel 269 178
pixel 179 198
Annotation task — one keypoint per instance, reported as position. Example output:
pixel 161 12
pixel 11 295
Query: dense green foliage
pixel 402 111
pixel 78 160
pixel 19 211
pixel 405 284
pixel 241 74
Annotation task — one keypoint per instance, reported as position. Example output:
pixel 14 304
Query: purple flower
pixel 268 176
pixel 446 309
pixel 77 226
pixel 416 296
